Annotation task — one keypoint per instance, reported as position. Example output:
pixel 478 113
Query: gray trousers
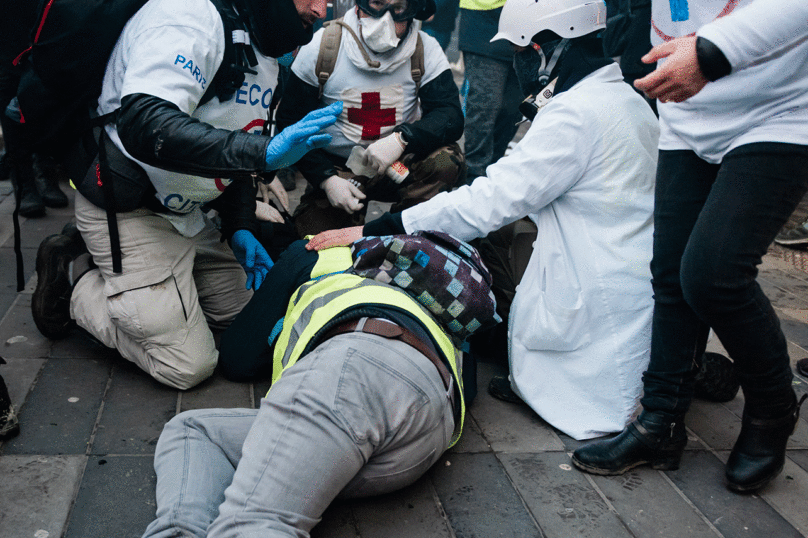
pixel 361 415
pixel 492 111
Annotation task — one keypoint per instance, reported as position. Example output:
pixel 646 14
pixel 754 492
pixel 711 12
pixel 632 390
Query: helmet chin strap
pixel 547 67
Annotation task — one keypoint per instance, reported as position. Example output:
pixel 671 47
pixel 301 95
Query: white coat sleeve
pixel 753 33
pixel 547 162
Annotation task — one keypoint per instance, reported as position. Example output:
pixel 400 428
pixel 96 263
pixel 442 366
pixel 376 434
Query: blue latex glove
pixel 288 146
pixel 252 257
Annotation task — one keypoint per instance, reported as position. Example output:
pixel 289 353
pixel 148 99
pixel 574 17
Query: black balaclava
pixel 582 56
pixel 275 26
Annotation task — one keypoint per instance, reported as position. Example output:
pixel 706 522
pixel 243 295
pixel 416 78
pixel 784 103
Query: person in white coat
pixel 580 324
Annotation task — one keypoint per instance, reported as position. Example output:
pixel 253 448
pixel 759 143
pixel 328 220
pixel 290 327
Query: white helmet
pixel 520 20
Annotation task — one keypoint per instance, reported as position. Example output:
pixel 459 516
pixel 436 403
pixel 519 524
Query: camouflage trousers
pixel 440 171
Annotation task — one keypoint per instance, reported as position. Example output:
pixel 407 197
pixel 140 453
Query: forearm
pixel 236 207
pixel 299 99
pixel 387 224
pixel 156 132
pixel 244 353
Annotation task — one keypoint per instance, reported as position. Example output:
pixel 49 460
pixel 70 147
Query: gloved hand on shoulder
pixel 384 152
pixel 252 257
pixel 288 146
pixel 343 194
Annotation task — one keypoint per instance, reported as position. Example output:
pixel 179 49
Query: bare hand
pixel 267 213
pixel 335 238
pixel 679 78
pixel 276 188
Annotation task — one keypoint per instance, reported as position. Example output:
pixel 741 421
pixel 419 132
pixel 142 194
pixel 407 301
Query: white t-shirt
pixel 171 49
pixel 765 99
pixel 375 100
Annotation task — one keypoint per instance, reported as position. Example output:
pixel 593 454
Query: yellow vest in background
pixel 481 5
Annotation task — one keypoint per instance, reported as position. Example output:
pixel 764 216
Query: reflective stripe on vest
pixel 317 302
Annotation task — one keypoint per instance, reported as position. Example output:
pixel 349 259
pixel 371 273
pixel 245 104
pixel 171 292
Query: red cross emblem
pixel 372 117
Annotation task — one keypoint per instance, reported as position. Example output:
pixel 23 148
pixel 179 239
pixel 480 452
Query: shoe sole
pixel 658 466
pixel 605 472
pixel 803 241
pixel 751 488
pixel 43 299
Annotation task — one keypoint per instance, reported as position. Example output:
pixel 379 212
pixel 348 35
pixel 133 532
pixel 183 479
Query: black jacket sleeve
pixel 244 354
pixel 387 224
pixel 236 207
pixel 298 100
pixel 158 133
pixel 712 61
pixel 441 121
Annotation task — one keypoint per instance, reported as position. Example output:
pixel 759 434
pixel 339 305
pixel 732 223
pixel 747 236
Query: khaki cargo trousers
pixel 159 311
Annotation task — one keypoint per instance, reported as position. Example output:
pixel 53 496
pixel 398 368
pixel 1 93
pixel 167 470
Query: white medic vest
pixel 375 100
pixel 171 49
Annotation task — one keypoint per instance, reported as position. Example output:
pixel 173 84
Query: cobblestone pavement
pixel 82 466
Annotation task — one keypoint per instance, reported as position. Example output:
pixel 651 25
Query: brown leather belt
pixel 388 329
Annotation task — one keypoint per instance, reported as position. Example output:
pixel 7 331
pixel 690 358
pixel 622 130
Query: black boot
pixel 47 175
pixel 22 178
pixel 760 451
pixel 50 303
pixel 649 440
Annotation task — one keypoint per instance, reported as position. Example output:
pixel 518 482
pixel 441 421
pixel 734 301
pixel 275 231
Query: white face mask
pixel 379 34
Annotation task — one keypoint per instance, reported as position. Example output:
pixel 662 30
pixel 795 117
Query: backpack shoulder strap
pixel 417 63
pixel 329 49
pixel 239 57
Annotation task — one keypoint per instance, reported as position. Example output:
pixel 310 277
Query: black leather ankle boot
pixel 649 440
pixel 47 175
pixel 22 178
pixel 760 451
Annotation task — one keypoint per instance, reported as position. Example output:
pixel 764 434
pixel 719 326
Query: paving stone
pixel 791 297
pixel 338 522
pixel 33 231
pixel 800 457
pixel 7 296
pixel 116 498
pixel 19 375
pixel 217 392
pixel 787 494
pixel 260 390
pixel 560 498
pixel 795 331
pixel 61 411
pixel 649 506
pixel 19 337
pixel 479 499
pixel 412 513
pixel 701 479
pixel 135 410
pixel 784 288
pixel 472 439
pixel 510 427
pixel 8 261
pixel 714 424
pixel 37 492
